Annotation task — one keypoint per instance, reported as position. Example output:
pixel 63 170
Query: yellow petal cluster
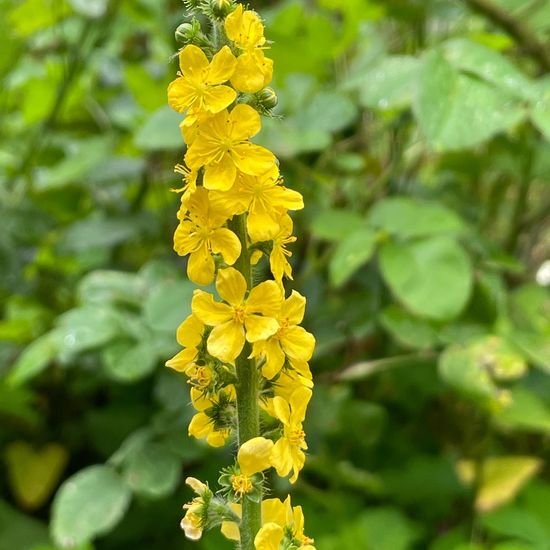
pixel 235 210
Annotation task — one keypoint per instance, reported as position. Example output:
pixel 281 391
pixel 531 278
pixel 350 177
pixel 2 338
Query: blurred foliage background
pixel 419 134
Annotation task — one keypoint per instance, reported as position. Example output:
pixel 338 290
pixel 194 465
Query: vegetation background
pixel 419 134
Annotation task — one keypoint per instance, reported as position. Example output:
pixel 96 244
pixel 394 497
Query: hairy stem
pixel 248 409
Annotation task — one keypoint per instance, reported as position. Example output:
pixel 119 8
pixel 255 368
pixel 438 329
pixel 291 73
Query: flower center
pixel 296 436
pixel 284 324
pixel 241 485
pixel 239 314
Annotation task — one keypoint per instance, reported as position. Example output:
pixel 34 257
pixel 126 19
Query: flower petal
pixel 220 175
pixel 221 67
pixel 294 308
pixel 252 159
pixel 269 537
pixel 181 95
pixel 223 241
pixel 226 341
pixel 208 311
pixel 265 298
pixel 281 459
pixel 245 122
pixel 192 60
pixel 231 286
pixel 260 328
pixel 298 344
pixel 253 455
pixel 200 266
pixel 217 98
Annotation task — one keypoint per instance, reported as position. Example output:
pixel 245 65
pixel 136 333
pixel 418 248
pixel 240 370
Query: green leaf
pixel 456 111
pixel 104 286
pixel 489 65
pixel 83 157
pixel 501 478
pixel 408 218
pixel 336 224
pixel 99 232
pixel 535 346
pixel 459 369
pixel 128 361
pixel 379 529
pixel 86 328
pixel 540 111
pixel 152 471
pixel 326 112
pixel 432 277
pixel 496 355
pixel 89 8
pixel 35 358
pixel 350 254
pixel 160 131
pixel 88 504
pixel 34 473
pixel 512 521
pixel 168 304
pixel 407 329
pixel 526 411
pixel 390 83
pixel 18 531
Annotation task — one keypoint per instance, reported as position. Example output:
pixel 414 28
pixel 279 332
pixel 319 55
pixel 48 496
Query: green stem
pixel 248 408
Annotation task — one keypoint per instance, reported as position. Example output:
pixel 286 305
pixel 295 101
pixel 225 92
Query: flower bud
pixel 191 33
pixel 267 98
pixel 221 8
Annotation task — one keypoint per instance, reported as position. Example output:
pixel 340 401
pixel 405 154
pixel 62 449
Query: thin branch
pixel 524 36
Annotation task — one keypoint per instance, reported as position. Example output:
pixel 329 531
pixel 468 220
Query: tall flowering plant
pixel 244 352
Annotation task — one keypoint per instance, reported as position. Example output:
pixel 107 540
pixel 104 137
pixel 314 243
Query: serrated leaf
pixel 490 65
pixel 88 504
pixel 160 131
pixel 408 218
pixel 129 361
pixel 336 224
pixel 389 84
pixel 167 304
pixel 86 328
pixel 408 329
pixel 432 277
pixel 456 111
pixel 458 368
pixel 35 358
pixel 102 286
pixel 526 411
pixel 350 254
pixel 152 470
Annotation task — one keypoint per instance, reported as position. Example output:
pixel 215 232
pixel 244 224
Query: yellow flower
pixel 222 146
pixel 254 71
pixel 203 425
pixel 278 517
pixel 192 521
pixel 254 455
pixel 230 319
pixel 200 234
pixel 189 335
pixel 198 85
pixel 245 28
pixel 278 258
pixel 290 340
pixel 288 452
pixel 263 199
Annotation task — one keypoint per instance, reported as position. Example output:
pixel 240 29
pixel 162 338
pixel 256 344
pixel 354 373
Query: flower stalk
pixel 244 353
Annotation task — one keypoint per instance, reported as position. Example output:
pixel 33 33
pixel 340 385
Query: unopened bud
pixel 183 33
pixel 221 8
pixel 267 98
